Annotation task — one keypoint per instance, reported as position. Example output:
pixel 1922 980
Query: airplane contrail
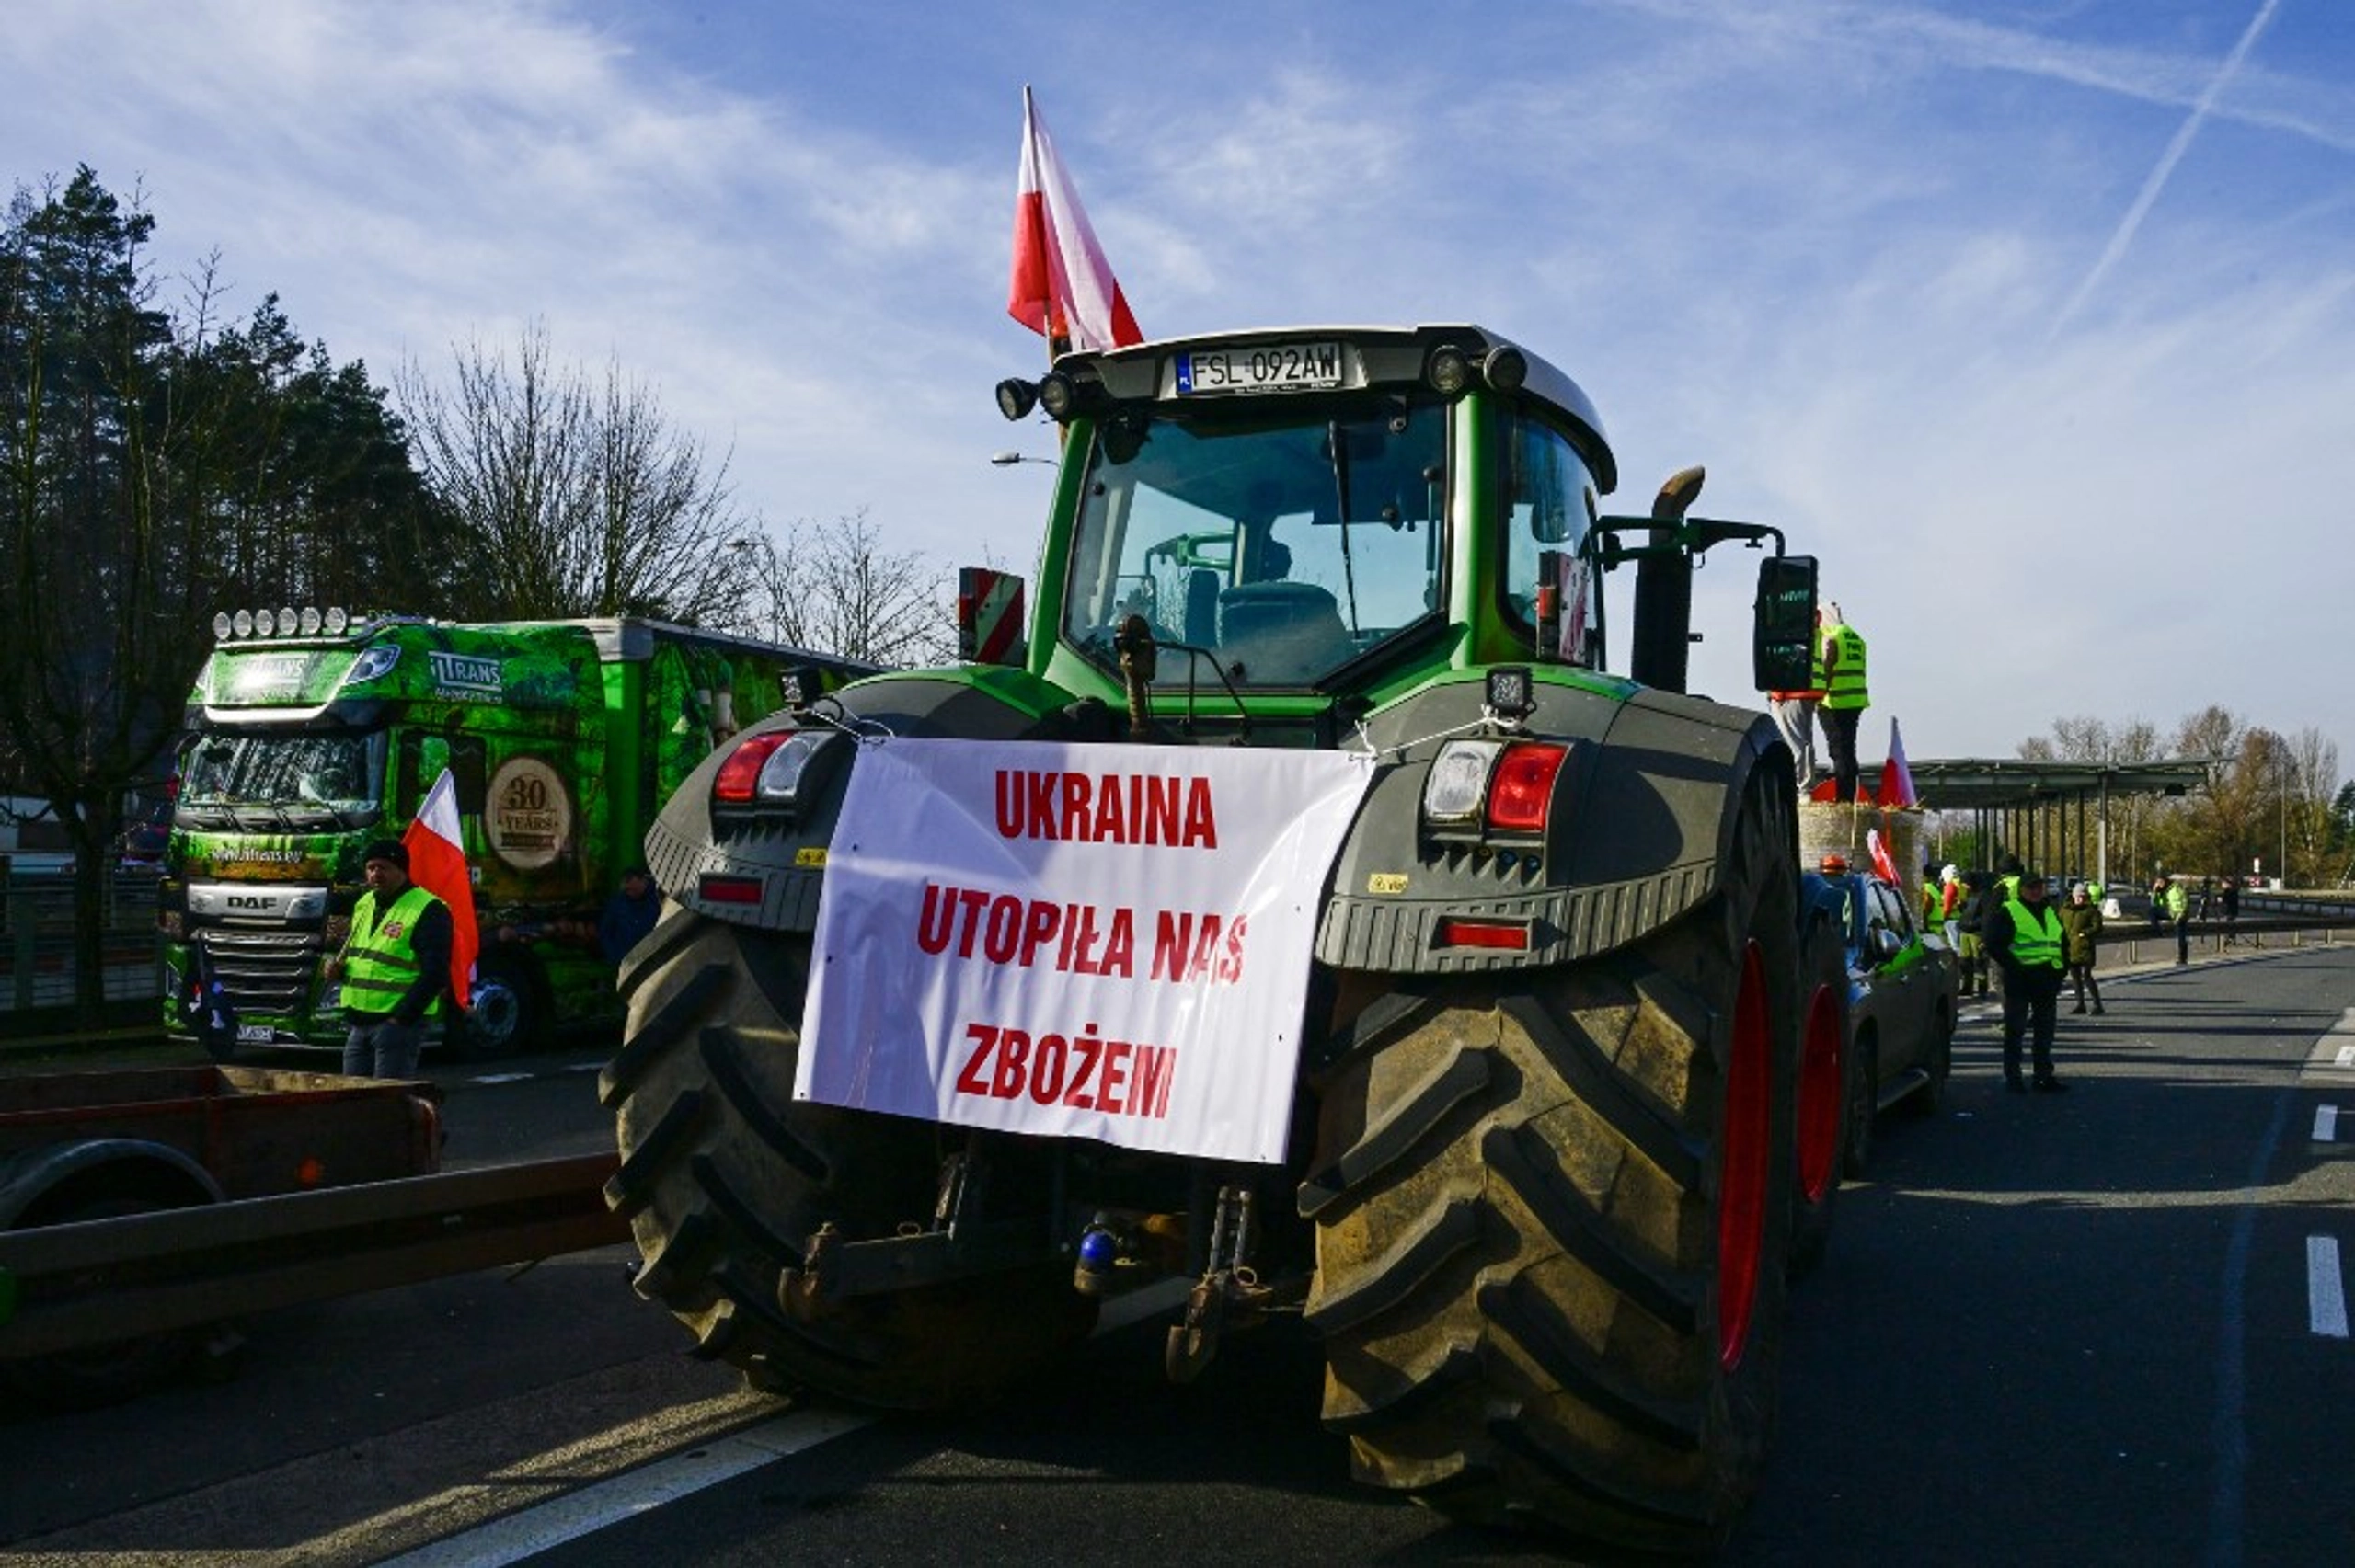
pixel 2158 178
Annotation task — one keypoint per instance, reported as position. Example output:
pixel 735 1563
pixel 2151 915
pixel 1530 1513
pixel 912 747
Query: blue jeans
pixel 382 1048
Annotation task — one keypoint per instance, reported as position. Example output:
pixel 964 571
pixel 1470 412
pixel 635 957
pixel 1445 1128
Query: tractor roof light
pixel 265 624
pixel 241 623
pixel 223 627
pixel 1448 370
pixel 334 621
pixel 1016 397
pixel 1505 368
pixel 1058 395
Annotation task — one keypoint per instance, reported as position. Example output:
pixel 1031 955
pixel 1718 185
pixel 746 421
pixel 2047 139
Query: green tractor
pixel 1537 1102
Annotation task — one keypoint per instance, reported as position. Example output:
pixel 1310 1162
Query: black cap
pixel 2011 865
pixel 391 851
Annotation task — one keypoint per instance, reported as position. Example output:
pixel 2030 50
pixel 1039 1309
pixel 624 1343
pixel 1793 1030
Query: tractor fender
pixel 55 1174
pixel 786 854
pixel 1641 819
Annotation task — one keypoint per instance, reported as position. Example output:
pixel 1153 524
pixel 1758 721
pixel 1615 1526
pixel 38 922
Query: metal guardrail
pixel 37 957
pixel 68 1287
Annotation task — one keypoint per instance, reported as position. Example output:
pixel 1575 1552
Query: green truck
pixel 310 733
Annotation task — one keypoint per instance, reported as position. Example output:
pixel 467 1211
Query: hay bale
pixel 1827 828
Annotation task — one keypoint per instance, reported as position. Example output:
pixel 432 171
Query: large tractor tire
pixel 1552 1213
pixel 1835 1092
pixel 725 1177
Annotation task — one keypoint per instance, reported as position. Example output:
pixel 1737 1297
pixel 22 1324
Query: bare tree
pixel 583 498
pixel 832 588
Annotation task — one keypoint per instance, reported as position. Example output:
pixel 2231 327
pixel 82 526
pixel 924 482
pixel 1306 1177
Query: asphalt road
pixel 2087 1328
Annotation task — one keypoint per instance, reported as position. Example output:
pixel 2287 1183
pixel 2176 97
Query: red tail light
pixel 742 772
pixel 1521 789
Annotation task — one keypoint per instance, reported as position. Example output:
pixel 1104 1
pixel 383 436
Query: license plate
pixel 1272 366
pixel 255 1033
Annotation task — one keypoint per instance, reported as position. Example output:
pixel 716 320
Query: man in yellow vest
pixel 394 966
pixel 2024 937
pixel 1842 650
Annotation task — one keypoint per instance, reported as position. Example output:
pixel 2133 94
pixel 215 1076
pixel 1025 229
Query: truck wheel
pixel 725 1177
pixel 1551 1217
pixel 1832 1078
pixel 504 1014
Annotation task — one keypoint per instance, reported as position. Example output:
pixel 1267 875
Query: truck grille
pixel 263 971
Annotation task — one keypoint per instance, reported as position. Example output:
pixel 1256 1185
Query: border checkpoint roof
pixel 1971 783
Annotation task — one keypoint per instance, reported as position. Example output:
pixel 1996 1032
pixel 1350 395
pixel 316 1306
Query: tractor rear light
pixel 1522 790
pixel 740 776
pixel 1458 782
pixel 713 889
pixel 1501 935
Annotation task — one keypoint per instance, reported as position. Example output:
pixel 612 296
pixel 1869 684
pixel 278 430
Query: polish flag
pixel 1882 861
pixel 1896 778
pixel 437 863
pixel 1062 287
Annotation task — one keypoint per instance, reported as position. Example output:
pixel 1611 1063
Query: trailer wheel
pixel 1552 1212
pixel 725 1177
pixel 96 1375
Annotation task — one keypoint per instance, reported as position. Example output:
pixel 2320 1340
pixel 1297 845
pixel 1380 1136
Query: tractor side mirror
pixel 989 616
pixel 1782 639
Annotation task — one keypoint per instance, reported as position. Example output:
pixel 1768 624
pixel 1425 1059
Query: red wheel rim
pixel 1820 1099
pixel 1744 1172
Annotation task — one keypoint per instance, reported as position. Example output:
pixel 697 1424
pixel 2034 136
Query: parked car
pixel 1900 1002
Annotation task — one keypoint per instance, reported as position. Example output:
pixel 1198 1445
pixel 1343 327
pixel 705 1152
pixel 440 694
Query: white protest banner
pixel 1106 941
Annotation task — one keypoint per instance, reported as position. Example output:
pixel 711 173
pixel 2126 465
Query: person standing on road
pixel 2232 898
pixel 1842 651
pixel 1970 946
pixel 2158 905
pixel 2080 925
pixel 2179 905
pixel 395 966
pixel 2025 938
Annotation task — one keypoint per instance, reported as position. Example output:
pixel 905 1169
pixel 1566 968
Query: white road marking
pixel 2326 1124
pixel 593 1508
pixel 2325 1292
pixel 502 1078
pixel 2345 1057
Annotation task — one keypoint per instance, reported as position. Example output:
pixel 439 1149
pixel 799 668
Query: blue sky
pixel 2035 322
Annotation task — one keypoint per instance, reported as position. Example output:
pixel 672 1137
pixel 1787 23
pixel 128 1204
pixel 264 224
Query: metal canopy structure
pixel 1979 783
pixel 2027 806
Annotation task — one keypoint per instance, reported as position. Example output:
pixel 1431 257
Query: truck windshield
pixel 313 781
pixel 1287 542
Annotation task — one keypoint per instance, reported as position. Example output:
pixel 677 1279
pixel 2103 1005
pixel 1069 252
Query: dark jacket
pixel 626 921
pixel 2080 923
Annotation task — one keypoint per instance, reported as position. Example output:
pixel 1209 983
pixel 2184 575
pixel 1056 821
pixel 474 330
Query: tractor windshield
pixel 1286 541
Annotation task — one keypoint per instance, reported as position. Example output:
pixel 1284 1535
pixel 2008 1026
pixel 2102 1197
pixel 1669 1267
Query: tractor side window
pixel 1549 505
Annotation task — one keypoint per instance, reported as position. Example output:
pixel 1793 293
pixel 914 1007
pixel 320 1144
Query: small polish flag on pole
pixel 1061 286
pixel 437 863
pixel 1896 778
